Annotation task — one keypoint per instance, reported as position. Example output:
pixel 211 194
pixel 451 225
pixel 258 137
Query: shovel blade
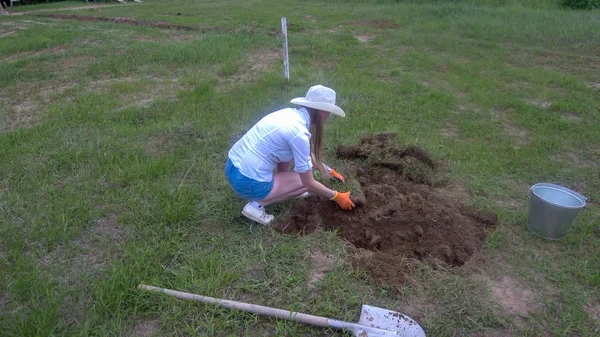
pixel 387 320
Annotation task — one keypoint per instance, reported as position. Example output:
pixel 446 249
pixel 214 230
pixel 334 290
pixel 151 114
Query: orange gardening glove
pixel 343 200
pixel 333 173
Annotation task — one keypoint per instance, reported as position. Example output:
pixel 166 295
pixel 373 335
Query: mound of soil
pixel 399 215
pixel 412 163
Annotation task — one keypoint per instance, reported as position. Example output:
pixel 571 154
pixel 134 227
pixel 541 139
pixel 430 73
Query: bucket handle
pixel 584 197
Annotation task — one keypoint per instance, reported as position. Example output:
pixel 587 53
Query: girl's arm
pixel 342 199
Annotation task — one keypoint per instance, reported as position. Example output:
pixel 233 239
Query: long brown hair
pixel 316 139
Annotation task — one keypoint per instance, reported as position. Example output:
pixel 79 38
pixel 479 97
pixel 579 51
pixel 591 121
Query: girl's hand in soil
pixel 343 200
pixel 334 174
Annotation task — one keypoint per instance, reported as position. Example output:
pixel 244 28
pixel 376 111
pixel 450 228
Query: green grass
pixel 113 139
pixel 17 7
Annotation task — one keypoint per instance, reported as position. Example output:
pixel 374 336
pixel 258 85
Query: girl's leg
pixel 287 185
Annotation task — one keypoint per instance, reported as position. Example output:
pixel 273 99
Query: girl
pixel 272 143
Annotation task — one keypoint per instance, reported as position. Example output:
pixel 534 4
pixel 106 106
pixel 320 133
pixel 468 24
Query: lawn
pixel 113 139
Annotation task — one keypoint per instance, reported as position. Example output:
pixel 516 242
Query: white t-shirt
pixel 281 136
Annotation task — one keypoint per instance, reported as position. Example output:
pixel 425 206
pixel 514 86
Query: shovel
pixel 373 322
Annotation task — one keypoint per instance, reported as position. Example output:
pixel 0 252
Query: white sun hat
pixel 320 98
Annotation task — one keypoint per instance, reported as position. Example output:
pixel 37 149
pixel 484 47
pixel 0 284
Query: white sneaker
pixel 302 196
pixel 257 214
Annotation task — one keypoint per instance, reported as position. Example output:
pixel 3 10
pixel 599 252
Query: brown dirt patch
pixel 25 115
pixel 400 216
pixel 418 306
pixel 182 37
pixel 128 21
pixel 78 61
pixel 32 54
pixel 157 145
pixel 455 191
pixel 388 269
pixel 73 307
pixel 36 22
pixel 47 93
pixel 89 255
pixel 90 252
pixel 450 131
pixel 149 328
pixel 321 265
pixel 140 103
pixel 94 7
pixel 94 252
pixel 496 113
pixel 493 333
pixel 594 312
pixel 165 142
pixel 510 203
pixel 59 49
pixel 515 298
pixel 310 17
pixel 518 134
pixel 9 33
pixel 593 85
pixel 363 38
pixel 539 103
pixel 110 227
pixel 469 107
pixel 3 301
pixel 575 158
pixel 380 24
pixel 154 88
pixel 179 14
pixel 259 61
pixel 572 116
pixel 147 38
pixel 262 59
pixel 328 64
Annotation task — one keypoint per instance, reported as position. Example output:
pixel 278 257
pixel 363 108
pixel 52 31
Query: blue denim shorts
pixel 245 187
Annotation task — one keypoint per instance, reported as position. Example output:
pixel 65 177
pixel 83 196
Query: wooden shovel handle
pixel 253 308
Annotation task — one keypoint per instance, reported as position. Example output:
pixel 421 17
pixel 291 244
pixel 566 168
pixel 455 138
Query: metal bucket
pixel 552 209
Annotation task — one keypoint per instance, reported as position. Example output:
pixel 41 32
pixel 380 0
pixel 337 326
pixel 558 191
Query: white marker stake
pixel 286 63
